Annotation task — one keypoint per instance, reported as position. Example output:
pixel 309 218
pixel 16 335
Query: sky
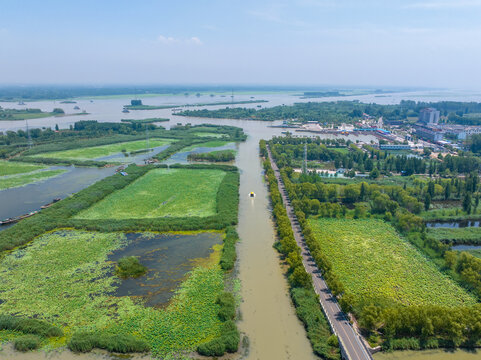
pixel 419 43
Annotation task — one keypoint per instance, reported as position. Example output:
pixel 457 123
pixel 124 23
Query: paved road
pixel 351 344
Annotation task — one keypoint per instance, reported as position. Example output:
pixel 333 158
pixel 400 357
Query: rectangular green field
pixel 13 167
pixel 94 152
pixel 373 262
pixel 162 193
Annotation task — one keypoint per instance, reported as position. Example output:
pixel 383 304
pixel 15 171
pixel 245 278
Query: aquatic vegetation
pixel 12 167
pixel 467 235
pixel 71 279
pixel 88 153
pixel 29 326
pixel 85 342
pixel 160 193
pixel 214 156
pixel 208 134
pixel 130 266
pixel 7 182
pixel 373 262
pixel 210 144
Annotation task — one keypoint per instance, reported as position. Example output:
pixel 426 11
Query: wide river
pixel 267 315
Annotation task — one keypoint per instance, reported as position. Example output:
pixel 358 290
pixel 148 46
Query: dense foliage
pixel 390 320
pixel 338 112
pixel 213 156
pixel 130 266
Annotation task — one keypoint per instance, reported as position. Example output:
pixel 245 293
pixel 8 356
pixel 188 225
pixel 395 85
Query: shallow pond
pixel 453 224
pixel 466 247
pixel 168 258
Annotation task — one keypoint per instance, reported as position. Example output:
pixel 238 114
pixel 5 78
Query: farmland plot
pixel 374 262
pixel 162 192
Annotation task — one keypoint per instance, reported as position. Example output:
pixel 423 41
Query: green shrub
pixel 29 326
pixel 333 341
pixel 228 256
pixel 230 336
pixel 214 347
pixel 81 342
pixel 85 342
pixel 27 343
pixel 130 266
pixel 227 306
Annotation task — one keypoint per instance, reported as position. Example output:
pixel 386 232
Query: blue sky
pixel 432 43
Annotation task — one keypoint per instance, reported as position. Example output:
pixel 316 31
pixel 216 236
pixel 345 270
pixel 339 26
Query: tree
pixel 467 203
pixel 374 174
pixel 56 127
pixel 427 202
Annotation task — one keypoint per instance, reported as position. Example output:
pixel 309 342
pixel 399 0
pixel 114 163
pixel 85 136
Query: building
pixel 394 147
pixel 427 133
pixel 429 116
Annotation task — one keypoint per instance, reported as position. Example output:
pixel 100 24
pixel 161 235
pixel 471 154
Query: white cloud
pixel 194 40
pixel 167 40
pixel 435 5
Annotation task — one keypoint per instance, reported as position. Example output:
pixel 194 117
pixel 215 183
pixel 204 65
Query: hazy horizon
pixel 305 43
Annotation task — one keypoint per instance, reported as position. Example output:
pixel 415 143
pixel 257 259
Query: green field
pixel 212 144
pixel 64 277
pixel 12 167
pixel 94 152
pixel 373 262
pixel 159 193
pixel 208 134
pixel 7 182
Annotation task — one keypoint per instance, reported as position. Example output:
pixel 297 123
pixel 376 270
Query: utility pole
pixel 28 136
pixel 304 163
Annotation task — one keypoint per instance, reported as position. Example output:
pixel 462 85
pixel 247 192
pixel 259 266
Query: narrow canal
pixel 268 317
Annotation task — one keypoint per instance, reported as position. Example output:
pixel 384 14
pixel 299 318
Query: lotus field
pixel 68 275
pixel 95 152
pixel 373 262
pixel 162 192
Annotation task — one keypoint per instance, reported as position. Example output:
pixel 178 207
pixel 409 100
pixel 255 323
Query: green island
pixel 145 121
pixel 397 278
pixel 140 106
pixel 27 114
pixel 94 152
pixel 213 156
pixel 16 174
pixel 7 182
